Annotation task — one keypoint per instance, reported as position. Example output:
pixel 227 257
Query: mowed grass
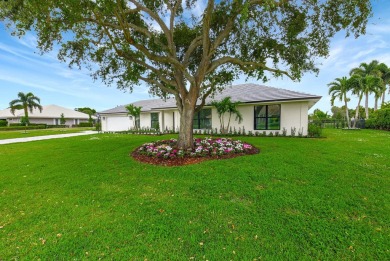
pixel 310 199
pixel 40 132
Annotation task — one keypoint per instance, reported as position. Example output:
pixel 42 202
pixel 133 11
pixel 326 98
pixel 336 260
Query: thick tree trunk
pixel 366 105
pixel 185 140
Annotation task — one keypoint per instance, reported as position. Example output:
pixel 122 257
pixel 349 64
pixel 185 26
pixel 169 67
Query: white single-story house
pixel 263 109
pixel 50 115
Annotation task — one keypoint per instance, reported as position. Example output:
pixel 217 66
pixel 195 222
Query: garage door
pixel 118 123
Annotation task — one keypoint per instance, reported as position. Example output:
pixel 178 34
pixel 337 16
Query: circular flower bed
pixel 165 152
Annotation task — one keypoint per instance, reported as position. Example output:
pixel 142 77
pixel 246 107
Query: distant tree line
pixel 368 80
pixel 380 119
pixel 88 111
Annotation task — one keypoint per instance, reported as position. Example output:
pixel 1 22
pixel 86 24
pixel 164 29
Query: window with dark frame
pixel 154 124
pixel 267 117
pixel 202 119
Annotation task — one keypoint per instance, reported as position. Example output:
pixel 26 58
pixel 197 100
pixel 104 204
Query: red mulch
pixel 186 160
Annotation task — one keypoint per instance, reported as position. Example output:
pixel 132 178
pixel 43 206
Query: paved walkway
pixel 47 137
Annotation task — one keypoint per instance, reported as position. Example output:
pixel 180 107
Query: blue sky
pixel 23 69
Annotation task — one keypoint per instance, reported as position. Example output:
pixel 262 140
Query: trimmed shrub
pixel 85 124
pixel 314 130
pixel 3 123
pixel 56 126
pixel 30 127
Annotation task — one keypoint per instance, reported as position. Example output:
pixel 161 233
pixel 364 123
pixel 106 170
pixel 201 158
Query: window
pixel 154 121
pixel 267 117
pixel 137 121
pixel 202 119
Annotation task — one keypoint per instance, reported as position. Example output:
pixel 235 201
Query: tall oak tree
pixel 188 49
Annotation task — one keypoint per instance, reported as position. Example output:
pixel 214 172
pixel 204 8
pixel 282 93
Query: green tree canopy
pixel 385 76
pixel 339 89
pixel 62 119
pixel 88 111
pixel 319 115
pixel 26 102
pixel 179 52
pixel 371 81
pixel 337 113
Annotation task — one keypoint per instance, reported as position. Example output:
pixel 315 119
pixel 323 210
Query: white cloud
pixel 29 41
pixel 363 53
pixel 376 28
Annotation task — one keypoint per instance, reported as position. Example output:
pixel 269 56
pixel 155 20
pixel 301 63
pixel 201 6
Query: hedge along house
pixel 50 115
pixel 263 109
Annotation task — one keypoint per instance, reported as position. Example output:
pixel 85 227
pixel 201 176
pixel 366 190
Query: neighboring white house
pixel 50 115
pixel 263 109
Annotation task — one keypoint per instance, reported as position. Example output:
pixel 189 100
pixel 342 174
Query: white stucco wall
pixel 145 120
pixel 51 121
pixel 247 112
pixel 169 117
pixel 292 115
pixel 42 121
pixel 115 122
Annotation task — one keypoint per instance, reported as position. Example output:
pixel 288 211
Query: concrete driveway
pixel 47 137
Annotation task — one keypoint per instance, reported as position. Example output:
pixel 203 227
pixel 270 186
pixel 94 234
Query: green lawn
pixel 310 199
pixel 30 133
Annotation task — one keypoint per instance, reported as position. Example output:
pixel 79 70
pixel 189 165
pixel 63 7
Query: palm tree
pixel 366 69
pixel 385 71
pixel 339 89
pixel 88 111
pixel 232 110
pixel 226 106
pixel 378 91
pixel 134 111
pixel 26 102
pixel 356 84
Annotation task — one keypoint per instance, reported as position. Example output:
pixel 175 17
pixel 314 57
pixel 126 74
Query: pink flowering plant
pixel 167 149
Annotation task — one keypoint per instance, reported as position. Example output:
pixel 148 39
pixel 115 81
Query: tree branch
pixel 132 59
pixel 194 44
pixel 245 66
pixel 160 22
pixel 204 97
pixel 159 84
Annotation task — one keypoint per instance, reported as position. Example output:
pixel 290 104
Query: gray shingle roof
pixel 147 105
pixel 245 93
